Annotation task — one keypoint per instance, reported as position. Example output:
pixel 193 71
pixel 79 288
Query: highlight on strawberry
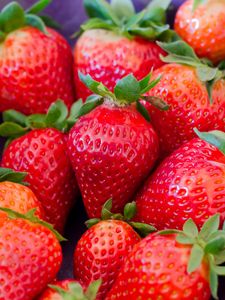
pixel 117 41
pixel 182 264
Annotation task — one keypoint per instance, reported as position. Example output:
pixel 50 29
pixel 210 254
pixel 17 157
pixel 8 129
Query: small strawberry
pixel 117 41
pixel 15 195
pixel 30 255
pixel 190 183
pixel 70 289
pixel 103 248
pixel 201 23
pixel 113 148
pixel 194 92
pixel 174 264
pixel 35 61
pixel 39 148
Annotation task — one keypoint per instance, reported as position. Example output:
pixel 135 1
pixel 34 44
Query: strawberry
pixel 117 41
pixel 194 92
pixel 103 248
pixel 35 61
pixel 188 184
pixel 30 255
pixel 174 264
pixel 113 147
pixel 39 148
pixel 201 24
pixel 15 195
pixel 70 289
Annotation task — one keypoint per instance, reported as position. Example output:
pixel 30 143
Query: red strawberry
pixel 42 153
pixel 103 248
pixel 15 195
pixel 30 256
pixel 70 289
pixel 112 148
pixel 116 42
pixel 35 63
pixel 203 27
pixel 187 90
pixel 188 184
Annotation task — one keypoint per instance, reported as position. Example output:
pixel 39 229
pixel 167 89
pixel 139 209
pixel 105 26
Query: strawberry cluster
pixel 133 123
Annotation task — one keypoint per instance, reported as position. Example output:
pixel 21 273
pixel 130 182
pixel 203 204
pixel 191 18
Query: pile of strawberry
pixel 132 122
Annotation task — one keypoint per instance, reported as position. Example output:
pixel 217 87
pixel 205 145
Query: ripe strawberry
pixel 194 93
pixel 116 41
pixel 30 255
pixel 70 289
pixel 174 264
pixel 103 248
pixel 112 148
pixel 203 27
pixel 42 153
pixel 188 184
pixel 15 195
pixel 35 62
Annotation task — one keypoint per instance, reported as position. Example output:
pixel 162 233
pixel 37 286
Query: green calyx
pixel 180 52
pixel 128 214
pixel 128 90
pixel 214 137
pixel 208 244
pixel 12 176
pixel 197 3
pixel 17 124
pixel 75 291
pixel 13 17
pixel 30 216
pixel 120 16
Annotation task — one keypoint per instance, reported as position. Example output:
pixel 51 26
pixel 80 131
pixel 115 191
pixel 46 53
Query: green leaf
pixel 210 226
pixel 100 9
pixel 57 113
pixel 221 65
pixel 220 258
pixel 106 210
pixel 184 239
pixel 196 3
pixel 36 22
pixel 145 81
pixel 96 23
pixel 190 228
pixel 38 6
pixel 143 111
pixel 127 89
pixel 213 280
pixel 157 102
pixel 142 228
pixel 92 222
pixel 134 20
pixel 123 9
pixel 164 4
pixel 169 231
pixel 2 35
pixel 216 245
pixel 93 289
pixel 151 32
pixel 151 85
pixel 219 270
pixel 9 129
pixel 14 116
pixel 50 22
pixel 37 121
pixel 214 137
pixel 195 259
pixel 205 73
pixel 12 176
pixel 89 106
pixel 156 14
pixel 130 210
pixel 12 17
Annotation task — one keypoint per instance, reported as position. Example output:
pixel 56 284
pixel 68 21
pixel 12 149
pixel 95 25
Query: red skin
pixel 30 258
pixel 19 198
pixel 112 150
pixel 101 251
pixel 189 106
pixel 108 57
pixel 188 184
pixel 35 70
pixel 157 269
pixel 50 294
pixel 203 29
pixel 42 153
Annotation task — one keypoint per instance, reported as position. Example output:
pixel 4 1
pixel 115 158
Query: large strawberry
pixel 174 264
pixel 113 148
pixel 188 184
pixel 201 24
pixel 117 41
pixel 15 195
pixel 30 255
pixel 70 289
pixel 39 148
pixel 102 249
pixel 35 61
pixel 194 92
